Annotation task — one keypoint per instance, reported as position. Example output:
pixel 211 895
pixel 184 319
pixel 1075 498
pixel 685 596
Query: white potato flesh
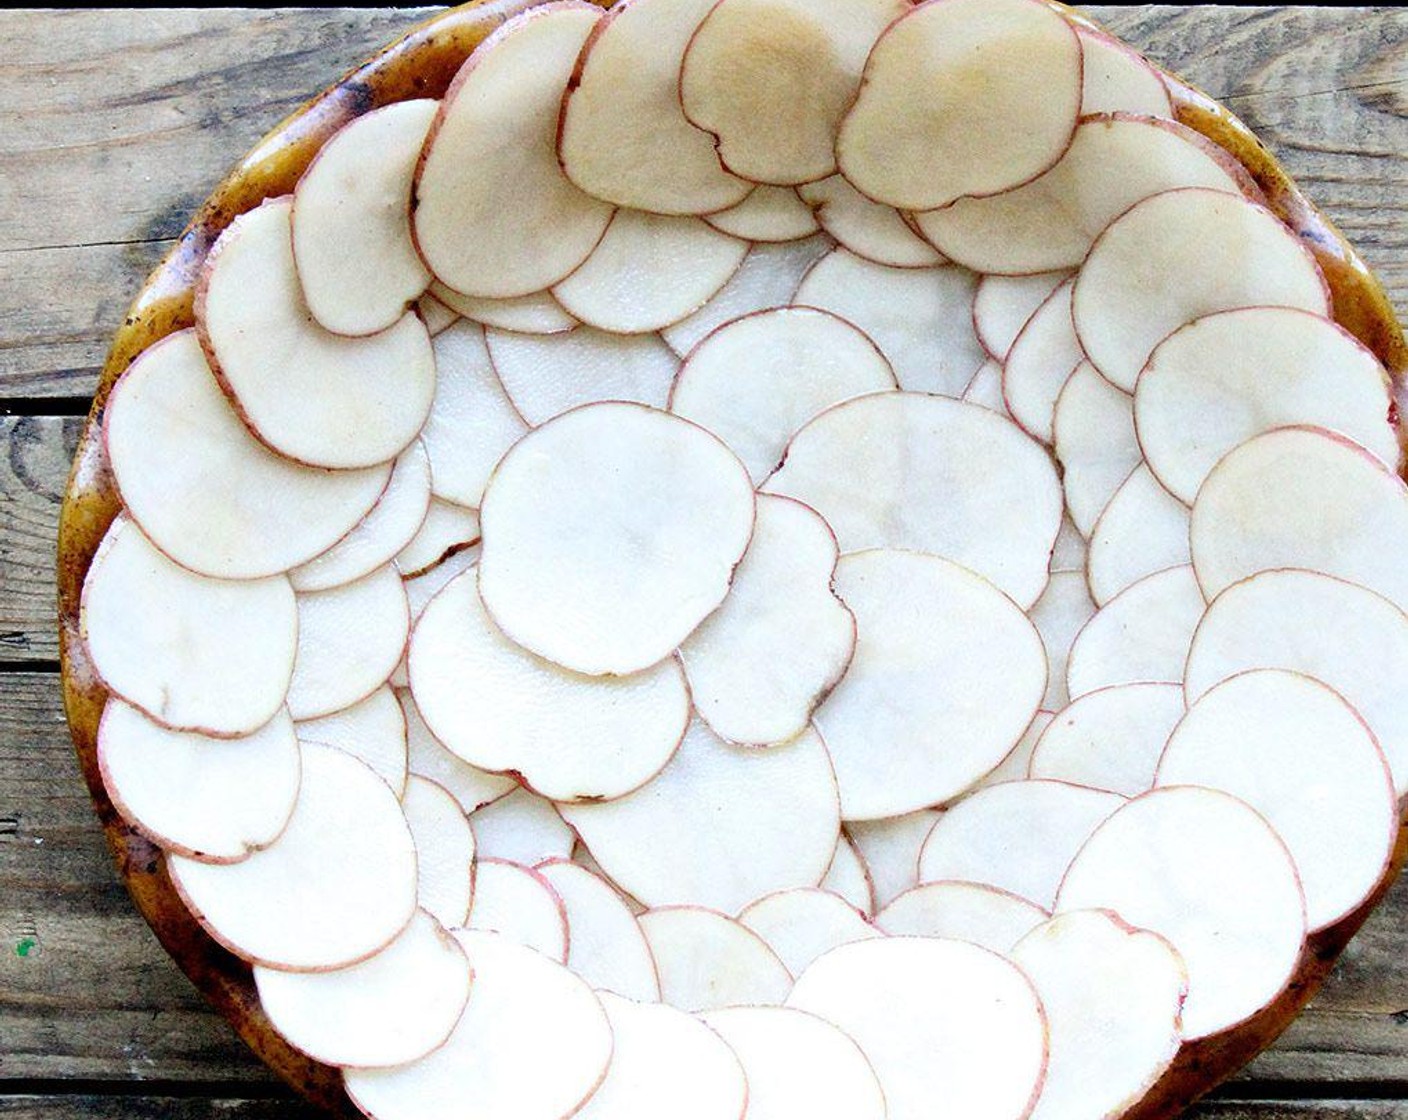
pixel 435 313
pixel 520 904
pixel 1301 498
pixel 1142 634
pixel 768 277
pixel 707 960
pixel 623 135
pixel 962 911
pixel 1017 836
pixel 193 653
pixel 772 80
pixel 447 532
pixel 429 758
pixel 351 220
pixel 569 737
pixel 234 509
pixel 1064 607
pixel 473 421
pixel 868 229
pixel 721 825
pixel 741 382
pixel 1344 635
pixel 1014 767
pixel 849 877
pixel 535 313
pixel 920 318
pixel 215 800
pixel 533 1043
pixel 939 1020
pixel 947 674
pixel 1177 256
pixel 444 851
pixel 1118 79
pixel 423 588
pixel 391 1008
pixel 1111 738
pixel 986 388
pixel 373 729
pixel 1093 432
pixel 650 270
pixel 913 471
pixel 582 857
pixel 336 886
pixel 1207 872
pixel 546 375
pixel 799 1065
pixel 890 848
pixel 494 214
pixel 521 828
pixel 1003 305
pixel 605 944
pixel 1229 376
pixel 309 394
pixel 666 1063
pixel 801 924
pixel 1143 530
pixel 1040 361
pixel 1069 551
pixel 609 534
pixel 1112 996
pixel 1112 163
pixel 767 214
pixel 388 528
pixel 760 664
pixel 1258 736
pixel 349 641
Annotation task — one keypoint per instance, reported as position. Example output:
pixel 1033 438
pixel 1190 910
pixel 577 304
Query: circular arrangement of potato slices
pixel 758 559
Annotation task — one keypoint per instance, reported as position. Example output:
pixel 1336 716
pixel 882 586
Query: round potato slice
pixel 1207 872
pixel 850 878
pixel 533 1043
pixel 373 730
pixel 1040 360
pixel 1143 530
pixel 1111 738
pixel 521 828
pixel 520 904
pixel 913 471
pixel 947 674
pixel 312 395
pixel 1116 78
pixel 335 887
pixel 430 758
pixel 217 655
pixel 391 1008
pixel 605 944
pixel 449 532
pixel 939 1020
pixel 707 960
pixel 234 509
pixel 962 911
pixel 868 229
pixel 801 924
pixel 890 848
pixel 767 214
pixel 1003 305
pixel 609 534
pixel 536 313
pixel 444 851
pixel 1093 432
pixel 494 214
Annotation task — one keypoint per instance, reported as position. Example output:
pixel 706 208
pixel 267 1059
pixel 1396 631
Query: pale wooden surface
pixel 113 126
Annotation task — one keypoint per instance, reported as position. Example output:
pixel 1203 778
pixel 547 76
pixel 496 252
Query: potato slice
pixel 435 313
pixel 868 229
pixel 1118 79
pixel 234 509
pixel 913 471
pixel 947 675
pixel 351 220
pixel 741 381
pixel 1093 432
pixel 1112 996
pixel 217 656
pixel 1207 872
pixel 494 214
pixel 521 828
pixel 742 823
pixel 448 532
pixel 634 281
pixel 1040 362
pixel 986 389
pixel 520 904
pixel 920 318
pixel 849 877
pixel 533 1043
pixel 569 737
pixel 337 885
pixel 373 729
pixel 1111 738
pixel 890 848
pixel 1069 551
pixel 307 393
pixel 772 80
pixel 1301 498
pixel 939 1020
pixel 768 214
pixel 1064 607
pixel 535 313
pixel 1004 305
pixel 801 924
pixel 708 961
pixel 1013 768
pixel 605 944
pixel 444 851
pixel 962 97
pixel 391 1008
pixel 962 911
pixel 623 135
pixel 1143 530
pixel 1177 256
pixel 609 534
pixel 1257 736
pixel 214 800
pixel 429 758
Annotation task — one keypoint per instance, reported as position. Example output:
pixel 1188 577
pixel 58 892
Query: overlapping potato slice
pixel 1143 530
pixel 801 924
pixel 768 214
pixel 1111 738
pixel 707 960
pixel 448 532
pixel 1115 78
pixel 444 852
pixel 494 215
pixel 435 313
pixel 849 877
pixel 1014 767
pixel 605 945
pixel 535 313
pixel 962 911
pixel 521 828
pixel 868 229
pixel 429 758
pixel 890 847
pixel 1063 609
pixel 986 389
pixel 1093 432
pixel 520 904
pixel 1004 305
pixel 373 729
pixel 1040 360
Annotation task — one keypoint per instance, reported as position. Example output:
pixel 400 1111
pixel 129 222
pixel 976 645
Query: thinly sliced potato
pixel 1111 738
pixel 708 960
pixel 962 911
pixel 801 924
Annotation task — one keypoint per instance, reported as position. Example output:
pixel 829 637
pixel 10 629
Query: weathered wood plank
pixel 152 112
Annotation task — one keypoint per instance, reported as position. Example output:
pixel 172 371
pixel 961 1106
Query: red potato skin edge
pixel 422 64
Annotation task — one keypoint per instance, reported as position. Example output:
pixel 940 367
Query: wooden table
pixel 113 126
